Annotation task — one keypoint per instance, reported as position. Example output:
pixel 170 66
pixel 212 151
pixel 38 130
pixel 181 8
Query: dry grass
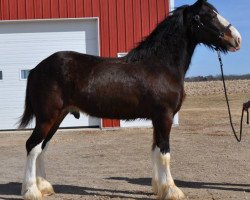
pixel 205 109
pixel 216 87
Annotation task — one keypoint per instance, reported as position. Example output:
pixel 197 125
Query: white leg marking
pixel 155 177
pixel 29 187
pixel 162 182
pixel 40 166
pixel 43 185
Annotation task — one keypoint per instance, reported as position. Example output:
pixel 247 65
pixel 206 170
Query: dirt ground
pixel 207 162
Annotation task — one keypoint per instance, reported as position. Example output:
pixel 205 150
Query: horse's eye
pixel 197 18
pixel 221 35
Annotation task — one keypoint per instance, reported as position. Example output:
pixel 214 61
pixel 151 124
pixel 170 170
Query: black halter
pixel 200 25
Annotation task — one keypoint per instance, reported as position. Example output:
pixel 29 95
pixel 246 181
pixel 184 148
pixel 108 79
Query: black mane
pixel 177 28
pixel 170 28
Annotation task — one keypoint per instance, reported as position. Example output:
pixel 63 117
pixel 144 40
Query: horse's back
pixel 102 87
pixel 92 84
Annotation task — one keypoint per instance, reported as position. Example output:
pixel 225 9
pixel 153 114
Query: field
pixel 207 162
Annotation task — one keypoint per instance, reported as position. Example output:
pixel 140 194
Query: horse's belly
pixel 116 108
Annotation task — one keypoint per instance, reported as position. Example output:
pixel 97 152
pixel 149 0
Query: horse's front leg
pixel 162 181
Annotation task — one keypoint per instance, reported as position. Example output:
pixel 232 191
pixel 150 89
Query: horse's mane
pixel 165 30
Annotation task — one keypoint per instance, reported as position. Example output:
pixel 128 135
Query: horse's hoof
pixel 32 193
pixel 171 192
pixel 44 186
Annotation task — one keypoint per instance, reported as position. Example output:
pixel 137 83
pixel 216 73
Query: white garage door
pixel 24 44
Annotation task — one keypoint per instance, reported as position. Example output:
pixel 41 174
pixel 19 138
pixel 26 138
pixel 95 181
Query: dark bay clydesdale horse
pixel 147 83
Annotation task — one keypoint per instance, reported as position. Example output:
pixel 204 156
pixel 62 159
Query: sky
pixel 204 61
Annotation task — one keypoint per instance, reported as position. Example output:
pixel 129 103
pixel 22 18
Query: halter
pixel 219 34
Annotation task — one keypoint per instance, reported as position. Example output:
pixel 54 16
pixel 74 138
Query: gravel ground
pixel 207 163
pixel 116 165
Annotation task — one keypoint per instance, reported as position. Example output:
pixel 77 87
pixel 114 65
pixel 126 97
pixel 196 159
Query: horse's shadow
pixel 14 188
pixel 190 184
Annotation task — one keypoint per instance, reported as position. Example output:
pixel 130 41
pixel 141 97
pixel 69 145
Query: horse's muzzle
pixel 234 40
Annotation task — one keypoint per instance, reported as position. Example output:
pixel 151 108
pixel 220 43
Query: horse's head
pixel 210 28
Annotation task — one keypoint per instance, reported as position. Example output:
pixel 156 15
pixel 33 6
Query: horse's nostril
pixel 239 40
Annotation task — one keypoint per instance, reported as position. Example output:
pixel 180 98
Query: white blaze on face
pixel 221 19
pixel 236 37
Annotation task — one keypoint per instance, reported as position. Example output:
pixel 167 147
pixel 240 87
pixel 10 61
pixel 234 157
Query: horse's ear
pixel 199 3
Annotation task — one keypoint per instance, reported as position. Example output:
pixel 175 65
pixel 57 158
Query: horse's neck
pixel 175 51
pixel 180 54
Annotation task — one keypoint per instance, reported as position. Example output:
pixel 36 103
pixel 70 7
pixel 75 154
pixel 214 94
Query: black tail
pixel 28 111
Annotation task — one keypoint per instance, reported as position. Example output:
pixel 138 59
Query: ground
pixel 207 162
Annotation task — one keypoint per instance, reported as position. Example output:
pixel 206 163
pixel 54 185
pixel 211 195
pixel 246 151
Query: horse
pixel 147 83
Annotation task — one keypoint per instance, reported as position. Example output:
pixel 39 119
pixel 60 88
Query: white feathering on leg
pixel 29 187
pixel 166 188
pixel 43 185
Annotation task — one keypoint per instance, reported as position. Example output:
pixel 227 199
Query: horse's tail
pixel 28 111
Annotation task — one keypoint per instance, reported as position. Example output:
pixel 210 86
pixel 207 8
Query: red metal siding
pixel 96 8
pixel 153 14
pixel 121 29
pixel 21 4
pixel 161 9
pixel 104 27
pixel 71 5
pixel 13 9
pixel 30 9
pixel 88 8
pixel 137 21
pixel 54 6
pixel 5 10
pixel 113 28
pixel 39 11
pixel 129 24
pixel 63 10
pixel 123 23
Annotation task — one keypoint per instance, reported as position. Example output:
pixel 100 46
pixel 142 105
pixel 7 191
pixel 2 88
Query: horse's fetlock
pixel 170 192
pixel 44 186
pixel 31 193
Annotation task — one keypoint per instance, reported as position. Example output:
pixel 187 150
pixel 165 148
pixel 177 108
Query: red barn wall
pixel 123 23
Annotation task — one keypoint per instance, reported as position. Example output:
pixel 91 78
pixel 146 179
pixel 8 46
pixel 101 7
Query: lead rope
pixel 228 106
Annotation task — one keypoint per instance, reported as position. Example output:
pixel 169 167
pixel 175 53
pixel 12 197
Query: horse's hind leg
pixel 34 147
pixel 162 181
pixel 43 185
pixel 34 184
